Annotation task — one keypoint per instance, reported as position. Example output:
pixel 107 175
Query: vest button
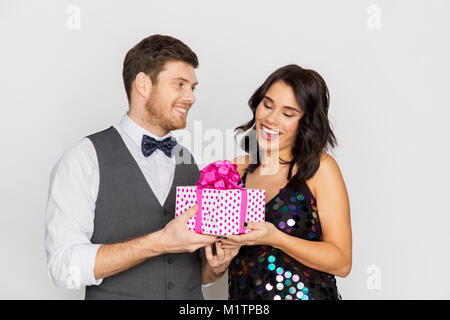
pixel 170 285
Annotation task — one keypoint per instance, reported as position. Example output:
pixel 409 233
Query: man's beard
pixel 160 114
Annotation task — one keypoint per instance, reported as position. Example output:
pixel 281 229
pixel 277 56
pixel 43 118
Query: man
pixel 110 215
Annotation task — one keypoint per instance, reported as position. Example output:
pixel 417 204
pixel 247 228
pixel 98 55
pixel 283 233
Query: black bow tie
pixel 149 145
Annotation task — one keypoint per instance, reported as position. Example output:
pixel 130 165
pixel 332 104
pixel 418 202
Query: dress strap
pixel 244 177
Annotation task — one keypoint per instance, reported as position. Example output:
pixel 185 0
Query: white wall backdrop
pixel 385 62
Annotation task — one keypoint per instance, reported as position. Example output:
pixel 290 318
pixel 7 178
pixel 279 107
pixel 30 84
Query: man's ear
pixel 143 85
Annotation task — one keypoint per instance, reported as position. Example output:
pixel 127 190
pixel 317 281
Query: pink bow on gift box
pixel 220 175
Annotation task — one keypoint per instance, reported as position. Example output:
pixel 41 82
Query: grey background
pixel 389 109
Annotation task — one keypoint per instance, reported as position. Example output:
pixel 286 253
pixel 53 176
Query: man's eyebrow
pixel 287 107
pixel 186 80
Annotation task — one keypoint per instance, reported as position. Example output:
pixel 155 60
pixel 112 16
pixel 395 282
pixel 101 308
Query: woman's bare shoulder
pixel 327 162
pixel 328 166
pixel 328 173
pixel 328 170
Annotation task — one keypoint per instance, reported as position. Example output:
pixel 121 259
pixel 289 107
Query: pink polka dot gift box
pixel 223 204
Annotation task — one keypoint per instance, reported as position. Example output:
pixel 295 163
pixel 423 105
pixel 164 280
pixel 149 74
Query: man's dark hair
pixel 151 54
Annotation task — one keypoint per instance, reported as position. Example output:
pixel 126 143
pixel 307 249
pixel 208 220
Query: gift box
pixel 223 204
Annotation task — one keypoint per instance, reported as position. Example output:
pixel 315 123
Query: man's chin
pixel 179 125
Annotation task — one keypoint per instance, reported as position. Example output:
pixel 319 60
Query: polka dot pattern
pixel 221 209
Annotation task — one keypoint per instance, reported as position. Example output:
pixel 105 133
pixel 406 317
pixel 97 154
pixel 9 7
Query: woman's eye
pixel 268 107
pixel 288 115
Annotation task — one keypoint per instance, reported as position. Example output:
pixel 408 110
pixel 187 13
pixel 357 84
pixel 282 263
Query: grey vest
pixel 127 208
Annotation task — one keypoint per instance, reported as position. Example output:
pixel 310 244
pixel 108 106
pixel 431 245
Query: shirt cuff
pixel 82 265
pixel 208 284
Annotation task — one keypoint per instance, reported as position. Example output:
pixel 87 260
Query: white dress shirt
pixel 71 201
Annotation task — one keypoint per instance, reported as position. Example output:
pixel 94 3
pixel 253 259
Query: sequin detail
pixel 264 272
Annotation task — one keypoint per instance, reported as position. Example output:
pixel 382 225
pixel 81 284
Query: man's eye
pixel 194 88
pixel 179 84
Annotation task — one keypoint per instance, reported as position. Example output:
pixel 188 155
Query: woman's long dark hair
pixel 314 132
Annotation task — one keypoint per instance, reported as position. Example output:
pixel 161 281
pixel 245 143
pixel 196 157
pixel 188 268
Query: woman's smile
pixel 267 133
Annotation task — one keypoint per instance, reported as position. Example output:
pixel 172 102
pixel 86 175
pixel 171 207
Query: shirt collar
pixel 136 132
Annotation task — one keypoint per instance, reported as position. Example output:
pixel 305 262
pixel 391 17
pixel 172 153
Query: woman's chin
pixel 265 145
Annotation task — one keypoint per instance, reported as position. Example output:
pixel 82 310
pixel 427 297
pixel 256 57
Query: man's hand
pixel 220 261
pixel 215 265
pixel 176 237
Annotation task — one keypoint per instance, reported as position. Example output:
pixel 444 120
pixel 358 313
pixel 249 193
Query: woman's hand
pixel 262 233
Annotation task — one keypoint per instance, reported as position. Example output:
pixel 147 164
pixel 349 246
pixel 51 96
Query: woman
pixel 297 252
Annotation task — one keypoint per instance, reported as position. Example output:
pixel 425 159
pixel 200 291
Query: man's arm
pixel 114 258
pixel 69 221
pixel 173 238
pixel 72 258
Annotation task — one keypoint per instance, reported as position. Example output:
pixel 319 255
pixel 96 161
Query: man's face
pixel 172 96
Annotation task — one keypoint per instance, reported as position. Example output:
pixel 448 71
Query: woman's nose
pixel 272 118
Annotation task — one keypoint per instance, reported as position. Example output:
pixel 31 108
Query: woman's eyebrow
pixel 268 98
pixel 288 107
pixel 291 108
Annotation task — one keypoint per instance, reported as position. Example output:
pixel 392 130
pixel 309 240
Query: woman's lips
pixel 268 134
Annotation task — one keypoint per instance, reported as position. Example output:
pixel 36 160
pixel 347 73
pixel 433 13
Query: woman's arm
pixel 334 253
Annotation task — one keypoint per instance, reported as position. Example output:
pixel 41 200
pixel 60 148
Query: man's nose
pixel 189 96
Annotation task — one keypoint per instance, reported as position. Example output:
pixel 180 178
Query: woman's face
pixel 277 118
